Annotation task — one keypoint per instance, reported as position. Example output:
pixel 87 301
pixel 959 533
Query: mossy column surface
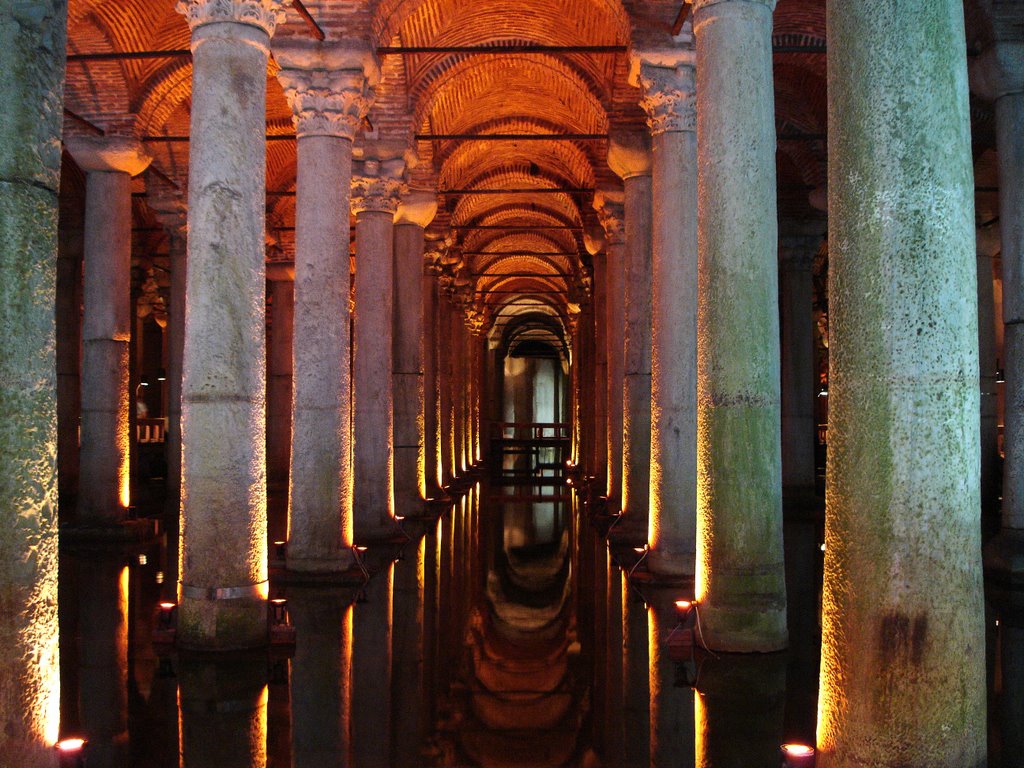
pixel 376 187
pixel 328 87
pixel 998 74
pixel 903 652
pixel 32 37
pixel 629 157
pixel 109 164
pixel 223 574
pixel 669 98
pixel 740 581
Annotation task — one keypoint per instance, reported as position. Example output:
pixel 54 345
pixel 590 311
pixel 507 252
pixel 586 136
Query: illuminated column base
pixel 740 579
pixel 903 664
pixel 629 157
pixel 223 585
pixel 32 47
pixel 106 325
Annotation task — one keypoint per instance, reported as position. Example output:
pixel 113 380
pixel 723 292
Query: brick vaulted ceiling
pixel 505 245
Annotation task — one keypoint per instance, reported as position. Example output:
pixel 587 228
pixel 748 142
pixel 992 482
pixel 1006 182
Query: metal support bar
pixel 511 136
pixel 318 33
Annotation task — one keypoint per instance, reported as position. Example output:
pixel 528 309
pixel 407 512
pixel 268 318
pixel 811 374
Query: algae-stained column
pixel 32 37
pixel 328 87
pixel 223 576
pixel 668 81
pixel 999 74
pixel 902 669
pixel 109 164
pixel 608 204
pixel 376 188
pixel 740 580
pixel 415 213
pixel 629 156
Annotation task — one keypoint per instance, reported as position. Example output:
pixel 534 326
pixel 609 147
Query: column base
pixel 343 561
pixel 222 625
pixel 671 565
pixel 1004 557
pixel 759 626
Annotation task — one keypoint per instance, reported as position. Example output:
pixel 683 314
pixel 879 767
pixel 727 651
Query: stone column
pixel 327 87
pixel 799 430
pixel 375 192
pixel 106 324
pixel 431 429
pixel 999 75
pixel 595 244
pixel 608 205
pixel 279 375
pixel 629 157
pixel 32 52
pixel 903 667
pixel 223 585
pixel 415 213
pixel 987 247
pixel 740 580
pixel 444 385
pixel 68 310
pixel 668 81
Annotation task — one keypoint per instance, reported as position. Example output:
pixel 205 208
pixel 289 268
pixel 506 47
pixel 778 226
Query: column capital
pixel 611 213
pixel 667 78
pixel 328 86
pixel 998 71
pixel 594 239
pixel 377 185
pixel 418 207
pixel 262 14
pixel 629 154
pixel 108 154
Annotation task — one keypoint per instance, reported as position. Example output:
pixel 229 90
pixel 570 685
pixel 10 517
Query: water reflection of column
pixel 371 675
pixel 444 391
pixel 671 707
pixel 613 672
pixel 103 659
pixel 408 708
pixel 599 554
pixel 431 618
pixel 738 711
pixel 223 713
pixel 635 678
pixel 321 679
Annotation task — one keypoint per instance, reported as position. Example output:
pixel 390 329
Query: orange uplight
pixel 683 605
pixel 70 745
pixel 168 606
pixel 797 750
pixel 797 756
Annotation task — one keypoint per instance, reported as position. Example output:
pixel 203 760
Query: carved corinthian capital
pixel 264 14
pixel 610 213
pixel 670 98
pixel 326 103
pixel 377 185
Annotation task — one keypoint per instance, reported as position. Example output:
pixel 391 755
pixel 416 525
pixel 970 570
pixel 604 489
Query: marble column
pixel 280 347
pixel 328 87
pixel 668 81
pixel 740 580
pixel 68 310
pixel 608 205
pixel 903 662
pixel 987 246
pixel 799 429
pixel 444 385
pixel 223 580
pixel 429 353
pixel 376 187
pixel 109 164
pixel 415 212
pixel 32 52
pixel 629 157
pixel 999 74
pixel 596 245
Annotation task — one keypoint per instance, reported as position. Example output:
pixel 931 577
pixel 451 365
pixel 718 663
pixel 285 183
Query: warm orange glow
pixel 168 606
pixel 70 745
pixel 700 732
pixel 797 750
pixel 683 605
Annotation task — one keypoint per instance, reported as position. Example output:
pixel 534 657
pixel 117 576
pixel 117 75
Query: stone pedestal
pixel 415 213
pixel 740 581
pixel 629 156
pixel 223 580
pixel 799 430
pixel 327 86
pixel 903 663
pixel 376 187
pixel 668 82
pixel 999 74
pixel 106 325
pixel 609 209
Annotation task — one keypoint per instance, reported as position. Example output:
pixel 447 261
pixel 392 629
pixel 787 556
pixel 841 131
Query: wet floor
pixel 474 644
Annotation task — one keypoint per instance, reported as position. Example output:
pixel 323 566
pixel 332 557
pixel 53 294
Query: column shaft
pixel 987 365
pixel 600 377
pixel 431 429
pixel 902 669
pixel 279 380
pixel 615 341
pixel 410 477
pixel 223 402
pixel 740 580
